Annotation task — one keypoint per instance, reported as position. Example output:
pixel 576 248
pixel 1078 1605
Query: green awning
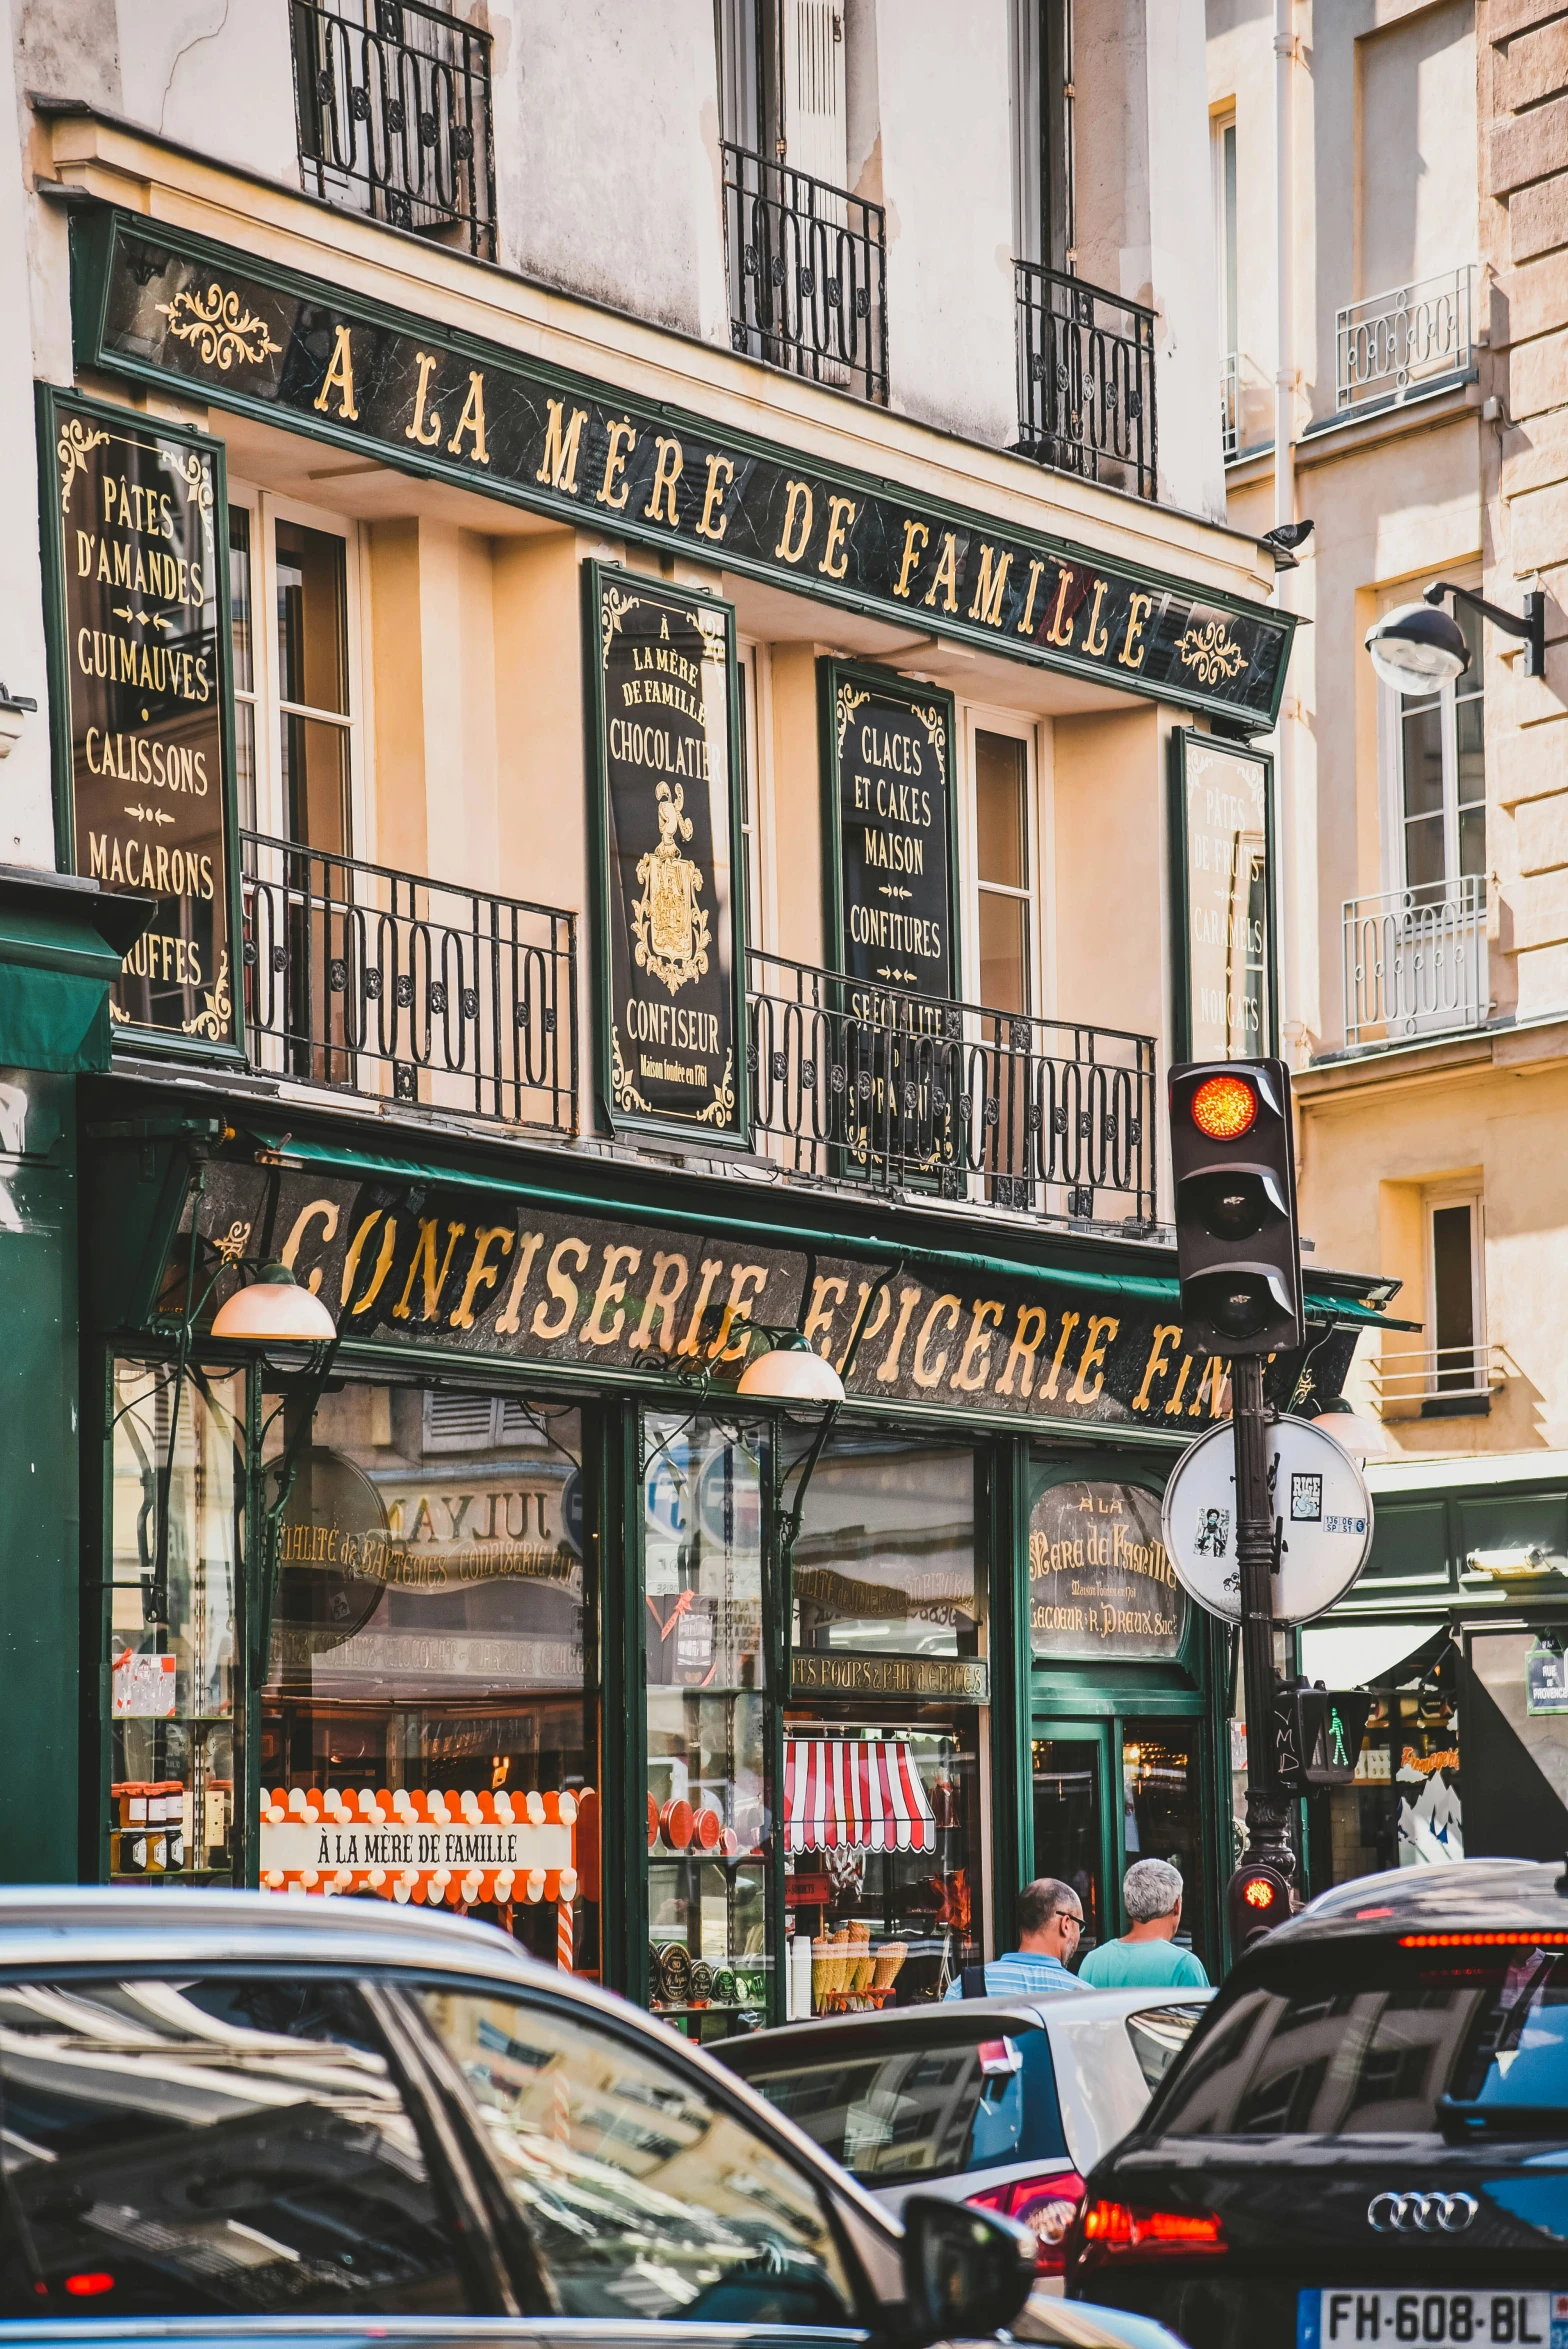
pixel 1322 1303
pixel 62 942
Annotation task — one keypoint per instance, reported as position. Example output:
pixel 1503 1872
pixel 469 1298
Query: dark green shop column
pixel 61 943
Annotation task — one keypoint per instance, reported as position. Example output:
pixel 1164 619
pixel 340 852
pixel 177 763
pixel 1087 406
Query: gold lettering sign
pixel 813 1674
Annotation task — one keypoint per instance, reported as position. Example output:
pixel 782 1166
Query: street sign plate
pixel 1320 1502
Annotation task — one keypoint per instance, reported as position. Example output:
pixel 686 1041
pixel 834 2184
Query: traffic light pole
pixel 1268 1804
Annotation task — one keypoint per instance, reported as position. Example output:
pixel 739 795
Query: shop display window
pixel 885 1562
pixel 883 1851
pixel 173 1621
pixel 708 1959
pixel 429 1719
pixel 1162 1810
pixel 1067 1825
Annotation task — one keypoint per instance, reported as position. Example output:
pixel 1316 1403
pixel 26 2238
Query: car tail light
pixel 1120 2230
pixel 1046 2204
pixel 88 2283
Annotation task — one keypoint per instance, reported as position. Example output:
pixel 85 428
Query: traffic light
pixel 1234 1167
pixel 1256 1900
pixel 1318 1733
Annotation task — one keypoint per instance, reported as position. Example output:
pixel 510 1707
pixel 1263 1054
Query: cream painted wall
pixel 1112 903
pixel 185 63
pixel 1416 147
pixel 1369 1154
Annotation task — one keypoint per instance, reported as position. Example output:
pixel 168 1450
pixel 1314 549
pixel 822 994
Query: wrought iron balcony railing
pixel 392 103
pixel 1415 962
pixel 1230 404
pixel 388 985
pixel 807 269
pixel 860 1083
pixel 1399 342
pixel 1085 379
pixel 1445 1375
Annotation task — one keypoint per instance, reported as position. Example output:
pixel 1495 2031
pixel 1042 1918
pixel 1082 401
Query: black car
pixel 1365 2142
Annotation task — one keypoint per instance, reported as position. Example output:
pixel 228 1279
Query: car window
pixel 897 2108
pixel 201 2147
pixel 1158 2035
pixel 642 2196
pixel 1372 2039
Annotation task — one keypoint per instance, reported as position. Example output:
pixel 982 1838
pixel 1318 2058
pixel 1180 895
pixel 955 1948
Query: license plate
pixel 1432 2320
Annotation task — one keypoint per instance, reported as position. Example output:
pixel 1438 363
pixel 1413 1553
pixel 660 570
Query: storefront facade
pixel 812 777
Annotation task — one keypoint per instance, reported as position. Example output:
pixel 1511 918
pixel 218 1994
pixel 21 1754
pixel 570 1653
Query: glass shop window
pixel 430 1715
pixel 172 1644
pixel 1162 1810
pixel 885 1563
pixel 707 1878
pixel 882 1813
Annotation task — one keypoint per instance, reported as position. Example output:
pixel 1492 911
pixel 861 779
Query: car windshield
pixel 1381 2038
pixel 895 2106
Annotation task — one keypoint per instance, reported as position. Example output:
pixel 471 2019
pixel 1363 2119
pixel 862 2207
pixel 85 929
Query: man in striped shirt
pixel 1050 1919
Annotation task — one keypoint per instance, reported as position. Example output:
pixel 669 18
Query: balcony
pixel 1085 380
pixel 1415 962
pixel 392 105
pixel 806 265
pixel 1396 344
pixel 383 985
pixel 910 1093
pixel 1438 1381
pixel 1230 406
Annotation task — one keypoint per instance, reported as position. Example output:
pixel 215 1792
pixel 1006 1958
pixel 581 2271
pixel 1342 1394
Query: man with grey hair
pixel 1146 1957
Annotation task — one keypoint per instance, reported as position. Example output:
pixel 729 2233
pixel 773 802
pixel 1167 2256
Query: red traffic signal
pixel 1237 1252
pixel 1256 1900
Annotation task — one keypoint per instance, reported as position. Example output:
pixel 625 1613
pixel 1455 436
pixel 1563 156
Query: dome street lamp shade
pixel 1363 1439
pixel 273 1310
pixel 790 1373
pixel 1418 648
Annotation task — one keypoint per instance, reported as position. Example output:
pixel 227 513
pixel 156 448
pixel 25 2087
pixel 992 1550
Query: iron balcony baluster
pixel 859 1083
pixel 807 269
pixel 382 983
pixel 1085 379
pixel 393 109
pixel 1395 344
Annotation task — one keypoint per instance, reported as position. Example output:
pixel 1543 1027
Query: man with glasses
pixel 1050 1919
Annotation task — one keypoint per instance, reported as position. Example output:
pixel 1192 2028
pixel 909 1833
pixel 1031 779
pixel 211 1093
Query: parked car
pixel 1002 2103
pixel 1366 2140
pixel 239 2107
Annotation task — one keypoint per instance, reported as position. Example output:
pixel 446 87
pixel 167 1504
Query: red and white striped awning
pixel 863 1792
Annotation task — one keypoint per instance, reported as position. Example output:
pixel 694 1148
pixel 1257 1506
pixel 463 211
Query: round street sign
pixel 1317 1492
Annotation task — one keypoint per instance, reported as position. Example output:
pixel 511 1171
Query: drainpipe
pixel 1293 874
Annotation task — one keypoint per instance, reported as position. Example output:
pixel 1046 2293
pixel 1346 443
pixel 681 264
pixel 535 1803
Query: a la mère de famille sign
pixel 162 306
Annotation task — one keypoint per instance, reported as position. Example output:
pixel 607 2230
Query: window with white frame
pixel 1456 1314
pixel 1223 135
pixel 293 606
pixel 1004 871
pixel 1435 765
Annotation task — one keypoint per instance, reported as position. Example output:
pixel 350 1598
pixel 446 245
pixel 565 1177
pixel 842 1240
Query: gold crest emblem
pixel 671 927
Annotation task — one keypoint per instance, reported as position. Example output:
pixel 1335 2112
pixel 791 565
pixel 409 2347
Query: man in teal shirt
pixel 1146 1958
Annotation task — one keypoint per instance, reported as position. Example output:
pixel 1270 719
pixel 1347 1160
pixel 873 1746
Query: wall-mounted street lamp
pixel 1421 647
pixel 14 707
pixel 1364 1439
pixel 789 1371
pixel 273 1310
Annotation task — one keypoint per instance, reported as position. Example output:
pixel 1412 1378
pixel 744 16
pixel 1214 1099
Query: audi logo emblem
pixel 1421 2214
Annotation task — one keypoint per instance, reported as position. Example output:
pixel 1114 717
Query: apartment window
pixel 1002 869
pixel 1043 157
pixel 749 748
pixel 1441 776
pixel 1457 1378
pixel 294 703
pixel 1225 256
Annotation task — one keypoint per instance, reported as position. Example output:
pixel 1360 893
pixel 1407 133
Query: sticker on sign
pixel 1319 1503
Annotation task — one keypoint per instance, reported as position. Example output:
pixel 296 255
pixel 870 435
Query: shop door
pixel 1074 1835
pixel 1107 1793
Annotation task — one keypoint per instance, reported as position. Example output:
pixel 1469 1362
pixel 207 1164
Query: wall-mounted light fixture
pixel 14 707
pixel 1421 647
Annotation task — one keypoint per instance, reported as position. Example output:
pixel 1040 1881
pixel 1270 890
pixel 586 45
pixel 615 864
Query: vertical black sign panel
pixel 891 857
pixel 1223 834
pixel 664 670
pixel 135 521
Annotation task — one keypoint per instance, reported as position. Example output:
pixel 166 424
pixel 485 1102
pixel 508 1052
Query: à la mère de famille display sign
pixel 489 1275
pixel 159 305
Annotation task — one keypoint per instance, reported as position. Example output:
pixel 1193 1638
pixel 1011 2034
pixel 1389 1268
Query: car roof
pixel 830 2034
pixel 1459 1896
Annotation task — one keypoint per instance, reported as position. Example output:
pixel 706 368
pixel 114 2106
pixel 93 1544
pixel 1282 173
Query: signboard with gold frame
pixel 135 529
pixel 665 806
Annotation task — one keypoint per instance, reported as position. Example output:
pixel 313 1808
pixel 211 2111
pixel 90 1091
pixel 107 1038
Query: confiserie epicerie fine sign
pixel 166 307
pixel 487 1274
